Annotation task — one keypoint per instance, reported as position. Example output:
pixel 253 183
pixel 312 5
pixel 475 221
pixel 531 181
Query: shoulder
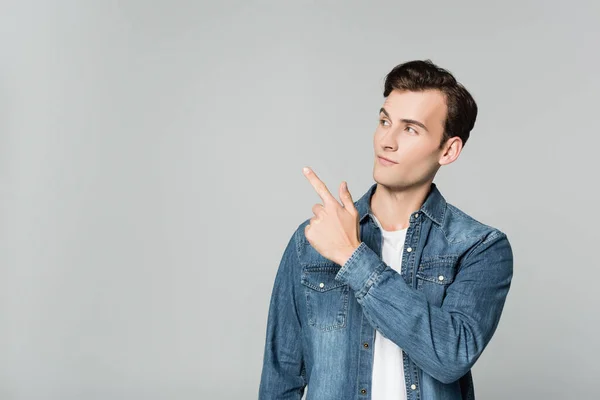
pixel 476 240
pixel 459 226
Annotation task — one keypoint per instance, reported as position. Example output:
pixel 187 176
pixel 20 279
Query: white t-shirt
pixel 388 366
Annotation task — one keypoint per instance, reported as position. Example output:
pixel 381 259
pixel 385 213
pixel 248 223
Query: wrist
pixel 346 254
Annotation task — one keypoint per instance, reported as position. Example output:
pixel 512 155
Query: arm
pixel 443 341
pixel 282 375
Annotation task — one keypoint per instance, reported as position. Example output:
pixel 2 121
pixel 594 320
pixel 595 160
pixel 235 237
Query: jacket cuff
pixel 361 270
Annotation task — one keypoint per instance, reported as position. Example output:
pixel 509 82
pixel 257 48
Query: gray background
pixel 150 177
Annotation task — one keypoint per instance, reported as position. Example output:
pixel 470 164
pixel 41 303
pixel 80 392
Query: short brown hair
pixel 422 75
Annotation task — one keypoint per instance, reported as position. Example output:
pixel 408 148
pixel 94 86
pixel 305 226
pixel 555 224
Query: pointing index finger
pixel 319 186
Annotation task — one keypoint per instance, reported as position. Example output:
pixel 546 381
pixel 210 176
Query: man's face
pixel 409 132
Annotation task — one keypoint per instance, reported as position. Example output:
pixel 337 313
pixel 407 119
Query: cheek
pixel 415 159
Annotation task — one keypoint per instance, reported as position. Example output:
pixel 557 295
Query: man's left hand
pixel 333 231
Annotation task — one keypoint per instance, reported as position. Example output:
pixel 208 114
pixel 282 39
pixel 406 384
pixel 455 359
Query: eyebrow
pixel 405 120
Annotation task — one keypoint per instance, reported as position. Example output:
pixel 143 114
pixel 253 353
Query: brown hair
pixel 422 75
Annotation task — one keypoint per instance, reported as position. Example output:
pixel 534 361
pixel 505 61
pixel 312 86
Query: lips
pixel 387 159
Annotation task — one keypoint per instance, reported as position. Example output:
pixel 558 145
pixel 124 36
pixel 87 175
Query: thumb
pixel 346 197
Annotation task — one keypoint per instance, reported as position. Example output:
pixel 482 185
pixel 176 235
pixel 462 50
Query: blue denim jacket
pixel 442 309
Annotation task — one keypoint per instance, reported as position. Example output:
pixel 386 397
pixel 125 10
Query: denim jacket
pixel 441 309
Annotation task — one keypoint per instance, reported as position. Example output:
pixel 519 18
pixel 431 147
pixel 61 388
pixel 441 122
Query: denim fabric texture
pixel 441 309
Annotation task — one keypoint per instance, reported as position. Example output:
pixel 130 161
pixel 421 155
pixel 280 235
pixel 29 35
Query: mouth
pixel 385 161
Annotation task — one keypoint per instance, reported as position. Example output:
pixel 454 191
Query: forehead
pixel 428 106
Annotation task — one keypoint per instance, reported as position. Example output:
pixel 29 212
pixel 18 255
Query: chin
pixel 386 178
pixel 391 180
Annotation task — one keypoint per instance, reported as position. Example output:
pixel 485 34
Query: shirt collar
pixel 434 205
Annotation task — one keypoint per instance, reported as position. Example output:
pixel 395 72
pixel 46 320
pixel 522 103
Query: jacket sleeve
pixel 282 376
pixel 443 341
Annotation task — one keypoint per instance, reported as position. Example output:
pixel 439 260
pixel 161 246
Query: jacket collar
pixel 434 205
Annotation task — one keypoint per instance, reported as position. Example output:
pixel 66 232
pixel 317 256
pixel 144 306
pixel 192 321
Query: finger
pixel 319 187
pixel 346 197
pixel 317 209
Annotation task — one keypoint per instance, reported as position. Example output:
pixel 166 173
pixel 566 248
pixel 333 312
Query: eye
pixel 382 122
pixel 413 129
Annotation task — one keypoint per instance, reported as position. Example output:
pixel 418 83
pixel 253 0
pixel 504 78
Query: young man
pixel 396 295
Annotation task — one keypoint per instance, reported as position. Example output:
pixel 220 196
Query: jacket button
pixel 409 249
pixel 413 386
pixel 363 391
pixel 366 345
pixel 441 277
pixel 321 284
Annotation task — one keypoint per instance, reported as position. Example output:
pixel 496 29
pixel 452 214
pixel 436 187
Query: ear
pixel 452 150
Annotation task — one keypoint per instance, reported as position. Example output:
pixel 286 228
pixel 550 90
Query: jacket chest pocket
pixel 326 298
pixel 434 275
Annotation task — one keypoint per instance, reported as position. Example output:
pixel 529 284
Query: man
pixel 396 295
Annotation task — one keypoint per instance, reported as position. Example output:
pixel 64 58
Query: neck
pixel 393 207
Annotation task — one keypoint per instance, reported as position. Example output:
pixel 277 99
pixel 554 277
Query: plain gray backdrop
pixel 150 177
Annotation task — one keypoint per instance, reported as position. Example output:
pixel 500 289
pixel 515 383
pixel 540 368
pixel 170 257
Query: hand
pixel 333 231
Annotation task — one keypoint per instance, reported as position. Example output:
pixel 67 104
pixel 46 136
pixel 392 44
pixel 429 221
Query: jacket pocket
pixel 434 275
pixel 326 298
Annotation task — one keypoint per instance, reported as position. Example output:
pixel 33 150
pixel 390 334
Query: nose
pixel 388 141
